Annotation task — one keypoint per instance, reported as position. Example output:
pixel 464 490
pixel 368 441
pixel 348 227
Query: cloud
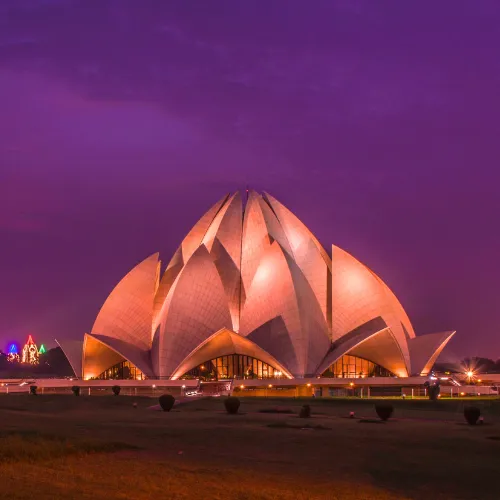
pixel 375 121
pixel 25 206
pixel 231 63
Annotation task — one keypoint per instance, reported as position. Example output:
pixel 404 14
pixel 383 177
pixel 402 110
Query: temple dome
pixel 251 269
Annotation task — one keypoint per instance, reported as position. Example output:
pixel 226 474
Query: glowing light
pixel 462 394
pixel 308 385
pixel 352 384
pixel 356 281
pixel 13 355
pixel 42 350
pixel 264 273
pixel 270 385
pixel 479 380
pixel 183 386
pixel 469 373
pixel 30 352
pixel 242 386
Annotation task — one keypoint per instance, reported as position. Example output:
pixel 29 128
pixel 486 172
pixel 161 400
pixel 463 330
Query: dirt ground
pixel 61 446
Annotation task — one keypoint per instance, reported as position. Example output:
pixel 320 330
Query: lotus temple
pixel 251 295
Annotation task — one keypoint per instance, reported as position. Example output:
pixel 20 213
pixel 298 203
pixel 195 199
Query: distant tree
pixel 52 363
pixel 57 362
pixel 484 365
pixel 433 390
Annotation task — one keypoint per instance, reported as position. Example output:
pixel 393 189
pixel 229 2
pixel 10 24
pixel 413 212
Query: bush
pixel 76 390
pixel 305 411
pixel 166 402
pixel 472 414
pixel 433 390
pixel 384 411
pixel 232 404
pixel 116 390
pixel 33 389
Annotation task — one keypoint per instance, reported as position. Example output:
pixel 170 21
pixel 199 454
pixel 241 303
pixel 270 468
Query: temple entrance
pixel 233 366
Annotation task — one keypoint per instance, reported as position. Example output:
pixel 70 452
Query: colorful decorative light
pixel 42 350
pixel 30 352
pixel 13 355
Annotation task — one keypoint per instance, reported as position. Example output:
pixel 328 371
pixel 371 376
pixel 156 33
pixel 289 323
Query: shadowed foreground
pixel 103 447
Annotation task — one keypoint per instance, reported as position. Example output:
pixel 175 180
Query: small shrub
pixel 33 389
pixel 305 411
pixel 232 404
pixel 384 411
pixel 472 414
pixel 433 390
pixel 76 390
pixel 166 402
pixel 116 390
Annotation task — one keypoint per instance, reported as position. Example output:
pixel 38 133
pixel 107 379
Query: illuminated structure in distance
pixel 30 352
pixel 13 353
pixel 251 293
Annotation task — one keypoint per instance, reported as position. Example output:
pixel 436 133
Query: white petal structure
pixel 282 315
pixel 73 350
pixel 373 341
pixel 425 349
pixel 128 311
pixel 250 285
pixel 195 308
pixel 359 295
pixel 223 240
pixel 309 254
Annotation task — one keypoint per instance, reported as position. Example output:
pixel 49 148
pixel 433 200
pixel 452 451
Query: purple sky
pixel 376 122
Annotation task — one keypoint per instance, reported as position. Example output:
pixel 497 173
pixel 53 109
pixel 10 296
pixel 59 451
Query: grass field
pixel 102 447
